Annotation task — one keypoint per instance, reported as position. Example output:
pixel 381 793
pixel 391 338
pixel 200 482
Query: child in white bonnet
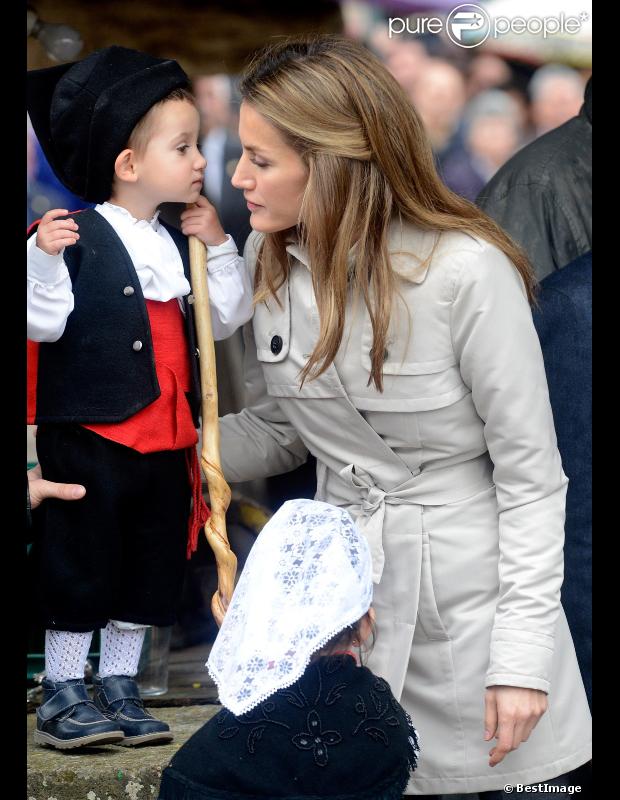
pixel 301 718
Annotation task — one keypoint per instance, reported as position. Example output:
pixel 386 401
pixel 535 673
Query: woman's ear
pixel 125 166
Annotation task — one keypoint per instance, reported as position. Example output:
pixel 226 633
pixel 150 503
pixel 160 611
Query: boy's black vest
pixel 102 369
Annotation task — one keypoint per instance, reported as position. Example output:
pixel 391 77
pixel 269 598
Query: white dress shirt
pixel 160 272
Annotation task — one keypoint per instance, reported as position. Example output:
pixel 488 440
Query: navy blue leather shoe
pixel 68 718
pixel 118 698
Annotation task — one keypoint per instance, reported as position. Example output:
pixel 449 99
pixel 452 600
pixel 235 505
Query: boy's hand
pixel 200 219
pixel 55 234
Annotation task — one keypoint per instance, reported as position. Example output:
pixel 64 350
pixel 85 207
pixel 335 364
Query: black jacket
pixel 102 369
pixel 337 733
pixel 542 196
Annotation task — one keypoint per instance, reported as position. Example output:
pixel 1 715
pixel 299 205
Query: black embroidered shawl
pixel 337 733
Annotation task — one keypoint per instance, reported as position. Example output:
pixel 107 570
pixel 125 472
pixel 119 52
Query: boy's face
pixel 170 169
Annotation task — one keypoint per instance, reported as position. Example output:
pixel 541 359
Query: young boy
pixel 117 387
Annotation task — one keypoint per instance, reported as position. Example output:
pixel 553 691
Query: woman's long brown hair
pixel 369 161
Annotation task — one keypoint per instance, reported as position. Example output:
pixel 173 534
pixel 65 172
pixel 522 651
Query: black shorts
pixel 119 552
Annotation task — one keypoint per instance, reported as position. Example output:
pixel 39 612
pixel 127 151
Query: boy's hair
pixel 140 135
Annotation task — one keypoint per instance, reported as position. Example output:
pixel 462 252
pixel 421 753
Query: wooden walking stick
pixel 219 490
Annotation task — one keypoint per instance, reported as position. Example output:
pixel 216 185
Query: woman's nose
pixel 241 179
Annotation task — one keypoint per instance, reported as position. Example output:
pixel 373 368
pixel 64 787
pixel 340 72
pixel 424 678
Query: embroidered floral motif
pixel 377 708
pixel 295 694
pixel 292 697
pixel 257 721
pixel 316 739
pixel 335 693
pixel 254 735
pixel 382 701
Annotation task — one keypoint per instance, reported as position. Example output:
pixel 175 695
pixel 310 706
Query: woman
pixel 393 339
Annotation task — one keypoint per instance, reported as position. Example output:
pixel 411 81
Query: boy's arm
pixel 49 295
pixel 230 289
pixel 230 286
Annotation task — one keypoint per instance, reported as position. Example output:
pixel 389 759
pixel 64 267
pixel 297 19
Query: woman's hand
pixel 200 219
pixel 511 714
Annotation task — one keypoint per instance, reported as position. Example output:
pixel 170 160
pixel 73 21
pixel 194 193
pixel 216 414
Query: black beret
pixel 337 733
pixel 83 113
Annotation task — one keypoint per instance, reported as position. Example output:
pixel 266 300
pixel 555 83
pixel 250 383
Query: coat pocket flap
pixel 417 367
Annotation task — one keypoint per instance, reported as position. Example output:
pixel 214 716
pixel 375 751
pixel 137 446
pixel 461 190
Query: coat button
pixel 128 291
pixel 137 345
pixel 276 345
pixel 190 299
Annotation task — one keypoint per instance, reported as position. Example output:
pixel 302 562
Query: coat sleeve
pixel 501 362
pixel 259 441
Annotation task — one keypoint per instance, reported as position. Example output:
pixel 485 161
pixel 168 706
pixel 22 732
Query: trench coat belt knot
pixel 372 507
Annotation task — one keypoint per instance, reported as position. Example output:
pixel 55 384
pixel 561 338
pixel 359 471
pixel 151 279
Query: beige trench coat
pixel 453 475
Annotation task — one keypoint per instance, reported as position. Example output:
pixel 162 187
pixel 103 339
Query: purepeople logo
pixel 469 26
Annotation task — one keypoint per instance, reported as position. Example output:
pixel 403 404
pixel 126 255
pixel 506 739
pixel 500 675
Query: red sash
pixel 166 423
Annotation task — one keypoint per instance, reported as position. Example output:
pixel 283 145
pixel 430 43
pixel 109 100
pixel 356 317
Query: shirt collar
pixel 122 213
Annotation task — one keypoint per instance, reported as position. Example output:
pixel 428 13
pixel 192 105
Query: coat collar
pixel 408 245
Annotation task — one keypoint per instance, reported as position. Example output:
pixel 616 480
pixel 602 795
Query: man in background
pixel 542 196
pixel 221 147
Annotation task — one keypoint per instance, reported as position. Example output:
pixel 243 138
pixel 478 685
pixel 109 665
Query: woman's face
pixel 271 174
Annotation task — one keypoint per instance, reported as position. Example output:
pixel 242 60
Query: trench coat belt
pixel 436 487
pixel 373 501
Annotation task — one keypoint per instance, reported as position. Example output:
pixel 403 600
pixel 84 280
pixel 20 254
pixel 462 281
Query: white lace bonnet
pixel 308 576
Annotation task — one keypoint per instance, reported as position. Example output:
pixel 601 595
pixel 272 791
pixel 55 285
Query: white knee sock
pixel 65 654
pixel 120 650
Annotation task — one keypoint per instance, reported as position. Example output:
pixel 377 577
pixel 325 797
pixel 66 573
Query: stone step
pixel 126 773
pixel 109 772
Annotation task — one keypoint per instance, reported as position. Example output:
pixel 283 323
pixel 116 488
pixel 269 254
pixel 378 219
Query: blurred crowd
pixel 478 109
pixel 479 112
